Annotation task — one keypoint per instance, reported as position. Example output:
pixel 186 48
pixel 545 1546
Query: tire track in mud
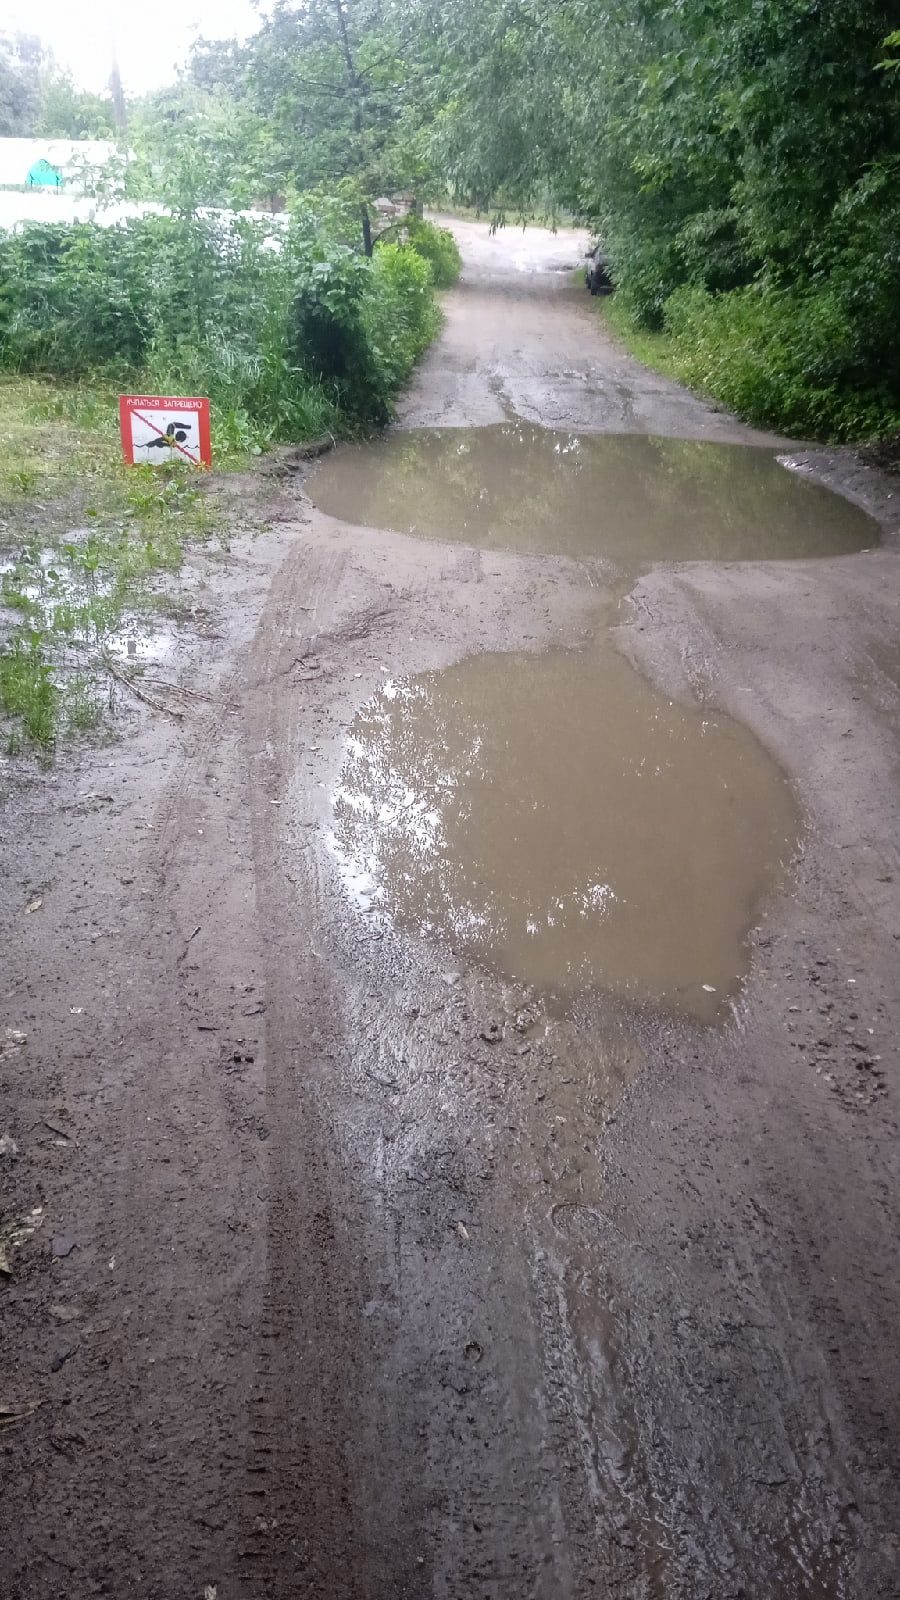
pixel 320 1436
pixel 370 1413
pixel 189 1285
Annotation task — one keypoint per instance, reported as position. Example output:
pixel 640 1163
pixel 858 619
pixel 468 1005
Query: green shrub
pixel 781 357
pixel 282 329
pixel 328 336
pixel 860 264
pixel 438 247
pixel 401 318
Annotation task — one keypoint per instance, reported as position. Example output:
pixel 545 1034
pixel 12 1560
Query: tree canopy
pixel 38 99
pixel 739 158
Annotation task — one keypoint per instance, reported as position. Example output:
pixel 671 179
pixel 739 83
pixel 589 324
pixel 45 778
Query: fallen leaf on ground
pixel 63 1354
pixel 15 1236
pixel 65 1313
pixel 13 1413
pixel 34 905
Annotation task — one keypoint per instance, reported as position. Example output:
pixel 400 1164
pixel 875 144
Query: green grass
pixel 83 538
pixel 655 350
pixel 85 541
pixel 775 360
pixel 27 690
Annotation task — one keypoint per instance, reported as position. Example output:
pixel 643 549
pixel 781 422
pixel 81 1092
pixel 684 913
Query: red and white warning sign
pixel 164 427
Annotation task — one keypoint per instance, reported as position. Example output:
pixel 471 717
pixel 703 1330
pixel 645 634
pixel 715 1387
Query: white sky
pixel 152 38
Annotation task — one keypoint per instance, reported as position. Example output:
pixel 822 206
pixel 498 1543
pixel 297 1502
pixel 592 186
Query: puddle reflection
pixel 556 820
pixel 630 498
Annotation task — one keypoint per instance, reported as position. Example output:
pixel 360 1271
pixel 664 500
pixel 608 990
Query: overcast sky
pixel 152 39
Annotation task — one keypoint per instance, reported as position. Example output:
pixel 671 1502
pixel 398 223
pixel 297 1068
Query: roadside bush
pixel 815 354
pixel 786 357
pixel 257 396
pixel 438 247
pixel 328 337
pixel 401 318
pixel 644 269
pixel 66 302
pixel 860 263
pixel 281 328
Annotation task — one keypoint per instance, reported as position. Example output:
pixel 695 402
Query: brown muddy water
pixel 556 820
pixel 631 499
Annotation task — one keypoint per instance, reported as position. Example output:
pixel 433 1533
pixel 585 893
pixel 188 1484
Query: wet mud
pixel 556 820
pixel 630 499
pixel 344 1264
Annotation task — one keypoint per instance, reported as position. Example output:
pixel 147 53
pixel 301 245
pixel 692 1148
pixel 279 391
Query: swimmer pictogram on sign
pixel 157 428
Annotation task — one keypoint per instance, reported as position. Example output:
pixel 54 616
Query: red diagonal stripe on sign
pixel 194 460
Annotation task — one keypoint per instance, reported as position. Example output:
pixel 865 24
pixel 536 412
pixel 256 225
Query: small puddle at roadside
pixel 133 643
pixel 76 606
pixel 556 820
pixel 631 499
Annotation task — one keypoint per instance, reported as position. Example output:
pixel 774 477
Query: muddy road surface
pixel 449 1083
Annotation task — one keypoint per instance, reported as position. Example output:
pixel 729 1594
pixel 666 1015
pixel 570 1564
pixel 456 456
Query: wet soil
pixel 341 1267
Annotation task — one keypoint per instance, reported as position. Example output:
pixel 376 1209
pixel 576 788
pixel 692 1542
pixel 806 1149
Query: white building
pixel 73 160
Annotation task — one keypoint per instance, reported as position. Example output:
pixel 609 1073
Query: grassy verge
pixel 291 333
pixel 777 361
pixel 653 349
pixel 85 543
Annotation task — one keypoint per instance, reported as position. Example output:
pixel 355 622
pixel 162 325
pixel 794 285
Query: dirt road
pixel 343 1269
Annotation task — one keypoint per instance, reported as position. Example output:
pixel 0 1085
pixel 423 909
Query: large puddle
pixel 629 498
pixel 556 820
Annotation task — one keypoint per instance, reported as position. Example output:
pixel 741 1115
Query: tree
pixel 69 113
pixel 21 58
pixel 329 84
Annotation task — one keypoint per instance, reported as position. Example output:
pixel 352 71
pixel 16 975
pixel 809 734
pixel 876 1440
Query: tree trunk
pixel 354 87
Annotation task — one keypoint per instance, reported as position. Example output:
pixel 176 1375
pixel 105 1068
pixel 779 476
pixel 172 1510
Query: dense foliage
pixel 37 98
pixel 322 96
pixel 740 159
pixel 289 330
pixel 435 245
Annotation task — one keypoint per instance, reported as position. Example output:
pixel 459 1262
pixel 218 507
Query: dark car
pixel 596 273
